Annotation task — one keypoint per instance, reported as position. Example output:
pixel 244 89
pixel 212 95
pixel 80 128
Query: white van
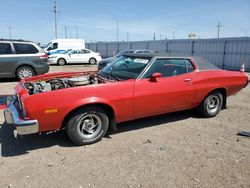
pixel 58 46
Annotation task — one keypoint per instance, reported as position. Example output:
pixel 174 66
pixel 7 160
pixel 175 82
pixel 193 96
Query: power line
pixel 55 11
pixel 218 31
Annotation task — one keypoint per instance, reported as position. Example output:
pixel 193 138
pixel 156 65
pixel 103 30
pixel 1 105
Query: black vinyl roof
pixel 202 63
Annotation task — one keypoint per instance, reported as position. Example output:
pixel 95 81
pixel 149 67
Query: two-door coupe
pixel 134 86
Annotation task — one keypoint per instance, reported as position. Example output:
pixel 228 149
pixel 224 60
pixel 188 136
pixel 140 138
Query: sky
pixel 94 20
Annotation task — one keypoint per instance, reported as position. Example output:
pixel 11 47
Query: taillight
pixel 44 56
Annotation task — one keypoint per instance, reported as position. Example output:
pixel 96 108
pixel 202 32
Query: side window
pixel 170 67
pixel 5 48
pixel 54 46
pixel 190 67
pixel 25 48
pixel 73 52
pixel 85 52
pixel 139 52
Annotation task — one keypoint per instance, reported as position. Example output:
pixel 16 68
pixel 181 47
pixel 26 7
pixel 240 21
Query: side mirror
pixel 155 76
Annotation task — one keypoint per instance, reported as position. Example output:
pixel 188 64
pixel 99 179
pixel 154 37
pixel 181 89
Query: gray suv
pixel 21 59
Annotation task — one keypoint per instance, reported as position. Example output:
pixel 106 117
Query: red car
pixel 134 86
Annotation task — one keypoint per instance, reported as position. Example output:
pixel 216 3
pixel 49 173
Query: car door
pixel 84 56
pixel 8 60
pixel 73 56
pixel 172 91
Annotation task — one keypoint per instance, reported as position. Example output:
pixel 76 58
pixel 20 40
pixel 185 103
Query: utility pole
pixel 55 11
pixel 174 33
pixel 65 29
pixel 127 36
pixel 76 31
pixel 128 39
pixel 154 36
pixel 9 27
pixel 117 28
pixel 218 31
pixel 245 31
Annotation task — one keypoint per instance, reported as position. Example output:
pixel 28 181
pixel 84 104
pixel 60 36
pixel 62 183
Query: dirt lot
pixel 174 150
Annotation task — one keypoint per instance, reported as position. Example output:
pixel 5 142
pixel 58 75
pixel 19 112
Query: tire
pixel 211 105
pixel 24 72
pixel 87 125
pixel 92 61
pixel 61 61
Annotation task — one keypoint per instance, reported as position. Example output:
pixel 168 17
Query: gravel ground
pixel 175 150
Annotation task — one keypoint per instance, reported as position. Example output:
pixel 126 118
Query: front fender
pixel 91 101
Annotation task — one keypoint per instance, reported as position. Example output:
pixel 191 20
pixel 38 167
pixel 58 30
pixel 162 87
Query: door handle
pixel 187 80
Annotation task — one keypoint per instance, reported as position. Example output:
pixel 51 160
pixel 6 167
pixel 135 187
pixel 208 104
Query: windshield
pixel 67 51
pixel 124 52
pixel 125 68
pixel 47 45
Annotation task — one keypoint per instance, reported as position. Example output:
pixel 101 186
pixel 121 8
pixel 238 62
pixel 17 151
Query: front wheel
pixel 87 125
pixel 211 105
pixel 61 61
pixel 92 61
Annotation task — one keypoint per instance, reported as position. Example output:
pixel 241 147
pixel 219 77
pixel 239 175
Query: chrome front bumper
pixel 13 115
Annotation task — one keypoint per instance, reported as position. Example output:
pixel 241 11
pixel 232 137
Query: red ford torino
pixel 134 86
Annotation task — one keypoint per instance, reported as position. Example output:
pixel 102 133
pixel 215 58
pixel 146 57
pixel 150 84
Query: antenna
pixel 218 32
pixel 55 11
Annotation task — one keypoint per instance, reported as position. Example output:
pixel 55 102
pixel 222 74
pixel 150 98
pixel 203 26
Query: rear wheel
pixel 24 72
pixel 211 105
pixel 61 61
pixel 87 125
pixel 92 61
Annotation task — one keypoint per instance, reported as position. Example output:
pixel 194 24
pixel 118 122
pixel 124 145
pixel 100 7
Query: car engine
pixel 60 83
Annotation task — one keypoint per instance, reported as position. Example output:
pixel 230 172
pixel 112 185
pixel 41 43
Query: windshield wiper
pixel 112 76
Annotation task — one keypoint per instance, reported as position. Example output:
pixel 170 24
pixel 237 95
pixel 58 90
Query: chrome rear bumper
pixel 13 115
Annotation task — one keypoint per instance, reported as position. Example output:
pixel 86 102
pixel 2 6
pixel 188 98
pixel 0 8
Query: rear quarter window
pixel 25 48
pixel 5 48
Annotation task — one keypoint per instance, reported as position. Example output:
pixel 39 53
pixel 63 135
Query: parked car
pixel 104 62
pixel 134 86
pixel 21 59
pixel 75 56
pixel 58 46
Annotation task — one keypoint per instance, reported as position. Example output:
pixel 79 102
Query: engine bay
pixel 41 86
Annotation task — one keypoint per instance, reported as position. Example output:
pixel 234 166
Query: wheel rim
pixel 61 62
pixel 25 72
pixel 213 103
pixel 92 61
pixel 89 125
